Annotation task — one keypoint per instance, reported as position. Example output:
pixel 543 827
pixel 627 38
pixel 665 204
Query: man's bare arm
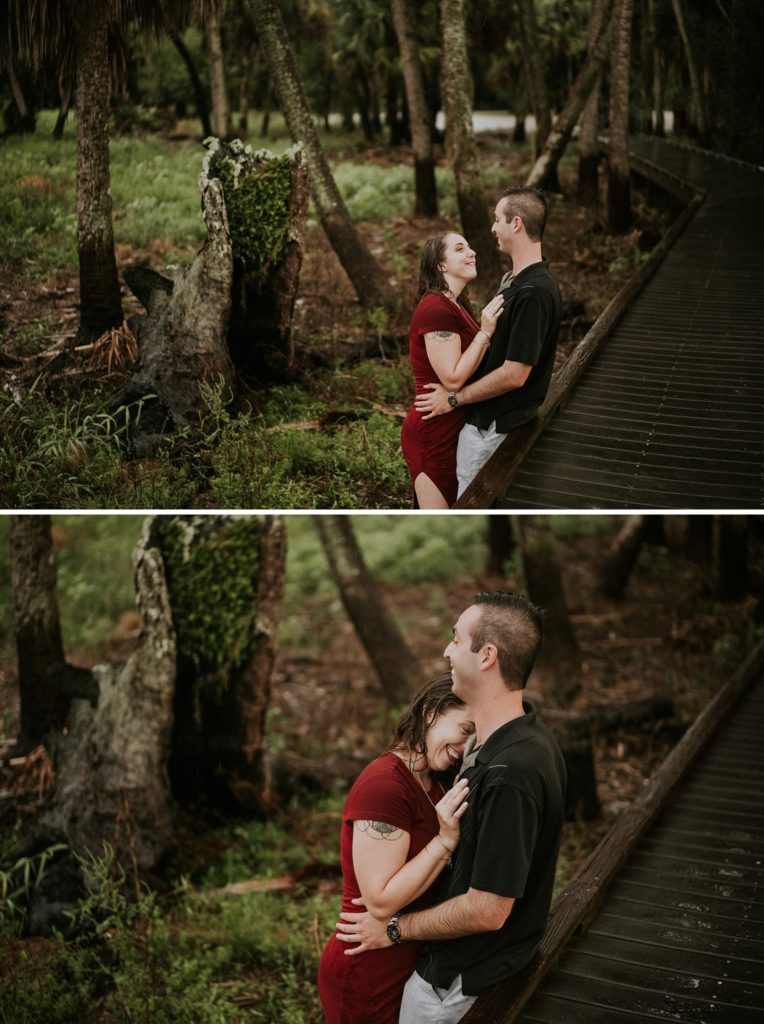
pixel 507 377
pixel 474 912
pixel 469 914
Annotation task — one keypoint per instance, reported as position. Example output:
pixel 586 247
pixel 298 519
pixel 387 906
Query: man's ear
pixel 488 656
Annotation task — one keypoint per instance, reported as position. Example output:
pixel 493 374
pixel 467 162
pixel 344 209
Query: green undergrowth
pixel 321 445
pixel 197 953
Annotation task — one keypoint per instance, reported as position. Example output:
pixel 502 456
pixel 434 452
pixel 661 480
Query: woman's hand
pixel 449 810
pixel 491 313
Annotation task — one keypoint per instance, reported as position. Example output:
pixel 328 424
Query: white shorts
pixel 423 1004
pixel 473 450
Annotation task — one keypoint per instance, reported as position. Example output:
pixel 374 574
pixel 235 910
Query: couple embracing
pixel 447 885
pixel 475 383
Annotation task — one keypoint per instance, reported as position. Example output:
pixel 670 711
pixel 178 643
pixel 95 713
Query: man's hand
pixel 363 928
pixel 435 403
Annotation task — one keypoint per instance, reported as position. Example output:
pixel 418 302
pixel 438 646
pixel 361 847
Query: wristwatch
pixel 453 401
pixel 393 931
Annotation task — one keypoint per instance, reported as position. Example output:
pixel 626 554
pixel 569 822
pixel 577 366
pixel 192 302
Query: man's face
pixel 501 230
pixel 465 664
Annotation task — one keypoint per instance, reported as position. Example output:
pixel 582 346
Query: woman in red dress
pixel 446 346
pixel 399 828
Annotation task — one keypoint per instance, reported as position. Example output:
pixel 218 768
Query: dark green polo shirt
pixel 510 838
pixel 526 332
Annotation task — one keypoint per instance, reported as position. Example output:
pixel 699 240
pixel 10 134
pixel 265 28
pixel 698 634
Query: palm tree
pixel 460 142
pixel 56 29
pixel 619 182
pixel 362 269
pixel 419 115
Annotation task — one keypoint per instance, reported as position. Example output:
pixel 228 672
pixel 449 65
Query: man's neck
pixel 494 714
pixel 526 258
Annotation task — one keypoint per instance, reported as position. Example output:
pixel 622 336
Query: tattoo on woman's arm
pixel 379 830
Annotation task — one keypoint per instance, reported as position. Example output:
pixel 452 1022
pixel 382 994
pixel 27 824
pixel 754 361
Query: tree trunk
pixel 397 668
pixel 182 341
pixel 646 60
pixel 730 557
pixel 698 543
pixel 221 108
pixel 266 201
pixel 247 63
pixel 225 580
pixel 111 765
pixel 622 555
pixel 501 544
pixel 460 142
pixel 202 108
pixel 26 119
pixel 535 77
pixel 565 122
pixel 588 146
pixel 39 646
pixel 558 667
pixel 659 90
pixel 619 219
pixel 697 104
pixel 367 278
pixel 65 97
pixel 100 300
pixel 419 114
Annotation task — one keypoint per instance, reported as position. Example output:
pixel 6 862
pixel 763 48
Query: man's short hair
pixel 513 624
pixel 529 204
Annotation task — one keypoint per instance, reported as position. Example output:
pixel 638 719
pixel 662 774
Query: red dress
pixel 429 446
pixel 368 988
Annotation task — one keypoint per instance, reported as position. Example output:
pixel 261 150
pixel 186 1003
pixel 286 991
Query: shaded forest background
pixel 232 919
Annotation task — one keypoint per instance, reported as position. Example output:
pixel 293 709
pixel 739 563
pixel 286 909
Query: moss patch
pixel 212 579
pixel 258 190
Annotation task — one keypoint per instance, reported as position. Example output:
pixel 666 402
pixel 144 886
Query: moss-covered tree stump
pixel 226 322
pixel 266 199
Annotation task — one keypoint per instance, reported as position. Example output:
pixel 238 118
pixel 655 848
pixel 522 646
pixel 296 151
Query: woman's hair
pixel 431 277
pixel 435 697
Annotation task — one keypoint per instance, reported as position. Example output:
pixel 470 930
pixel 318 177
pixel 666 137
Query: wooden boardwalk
pixel 680 936
pixel 670 412
pixel 672 901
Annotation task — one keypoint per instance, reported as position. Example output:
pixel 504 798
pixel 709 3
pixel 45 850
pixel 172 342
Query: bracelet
pixel 448 849
pixel 445 860
pixel 484 333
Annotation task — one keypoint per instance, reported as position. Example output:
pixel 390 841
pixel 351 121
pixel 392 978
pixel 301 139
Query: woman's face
pixel 458 259
pixel 446 738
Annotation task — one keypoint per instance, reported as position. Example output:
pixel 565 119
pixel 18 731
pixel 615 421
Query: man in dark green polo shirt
pixel 496 897
pixel 512 381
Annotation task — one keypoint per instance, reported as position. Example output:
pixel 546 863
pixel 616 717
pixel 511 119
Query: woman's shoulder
pixel 385 770
pixel 432 300
pixel 381 784
pixel 433 312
